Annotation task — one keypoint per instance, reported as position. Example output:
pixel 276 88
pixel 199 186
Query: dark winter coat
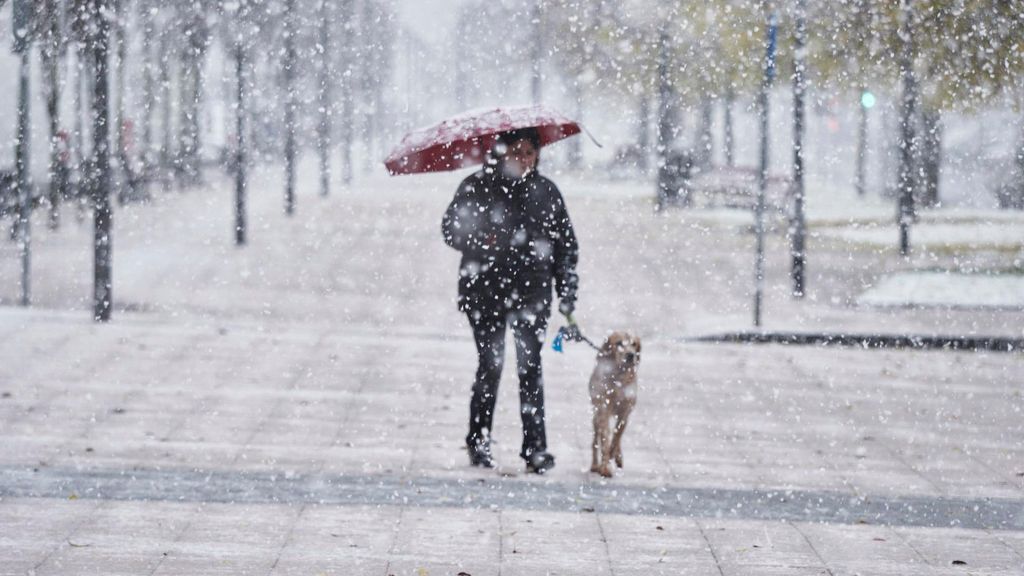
pixel 516 241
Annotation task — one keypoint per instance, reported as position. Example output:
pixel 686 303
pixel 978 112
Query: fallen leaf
pixel 73 545
pixel 959 563
pixel 659 528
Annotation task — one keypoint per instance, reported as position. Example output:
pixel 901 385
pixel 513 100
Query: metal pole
pixel 24 182
pixel 762 174
pixel 798 227
pixel 103 215
pixel 905 206
pixel 240 157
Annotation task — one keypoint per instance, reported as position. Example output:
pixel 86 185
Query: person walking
pixel 518 248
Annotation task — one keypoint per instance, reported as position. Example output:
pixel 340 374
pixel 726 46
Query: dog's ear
pixel 608 348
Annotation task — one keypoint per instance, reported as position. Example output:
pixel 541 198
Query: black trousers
pixel 489 333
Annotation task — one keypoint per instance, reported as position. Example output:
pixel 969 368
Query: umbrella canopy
pixel 463 140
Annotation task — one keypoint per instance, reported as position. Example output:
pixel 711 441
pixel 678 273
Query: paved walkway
pixel 271 487
pixel 297 407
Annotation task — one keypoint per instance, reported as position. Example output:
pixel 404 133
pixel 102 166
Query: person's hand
pixel 566 308
pixel 571 329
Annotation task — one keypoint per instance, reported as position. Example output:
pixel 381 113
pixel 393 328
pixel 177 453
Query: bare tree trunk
pixel 905 215
pixel 1019 161
pixel 103 223
pixel 931 156
pixel 862 146
pixel 51 57
pixel 23 148
pixel 705 140
pixel 575 144
pixel 81 84
pixel 461 75
pixel 369 65
pixel 191 84
pixel 121 125
pixel 729 140
pixel 324 100
pixel 798 224
pixel 149 98
pixel 241 168
pixel 166 94
pixel 290 62
pixel 644 131
pixel 347 104
pixel 537 52
pixel 667 122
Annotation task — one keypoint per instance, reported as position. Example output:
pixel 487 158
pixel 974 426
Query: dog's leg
pixel 597 447
pixel 620 428
pixel 604 467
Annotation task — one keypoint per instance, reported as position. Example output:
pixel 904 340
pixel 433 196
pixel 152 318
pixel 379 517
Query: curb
pixel 869 341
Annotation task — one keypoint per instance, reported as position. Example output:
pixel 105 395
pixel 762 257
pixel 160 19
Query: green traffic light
pixel 867 99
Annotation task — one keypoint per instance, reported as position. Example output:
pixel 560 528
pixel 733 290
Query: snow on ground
pixel 330 348
pixel 959 236
pixel 946 289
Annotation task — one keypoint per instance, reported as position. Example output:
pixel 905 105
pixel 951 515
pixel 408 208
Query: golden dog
pixel 613 391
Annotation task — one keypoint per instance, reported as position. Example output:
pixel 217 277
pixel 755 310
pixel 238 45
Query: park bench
pixel 737 187
pixel 8 193
pixel 10 204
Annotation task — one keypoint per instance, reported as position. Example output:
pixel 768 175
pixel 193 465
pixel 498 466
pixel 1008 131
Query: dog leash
pixel 572 334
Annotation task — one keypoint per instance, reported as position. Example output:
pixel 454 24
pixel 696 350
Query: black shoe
pixel 540 462
pixel 480 455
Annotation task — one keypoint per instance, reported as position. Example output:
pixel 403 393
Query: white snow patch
pixel 965 235
pixel 947 289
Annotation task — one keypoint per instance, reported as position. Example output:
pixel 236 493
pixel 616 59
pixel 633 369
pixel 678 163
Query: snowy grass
pixel 965 235
pixel 939 288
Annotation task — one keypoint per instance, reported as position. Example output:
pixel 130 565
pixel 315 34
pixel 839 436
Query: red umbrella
pixel 463 140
